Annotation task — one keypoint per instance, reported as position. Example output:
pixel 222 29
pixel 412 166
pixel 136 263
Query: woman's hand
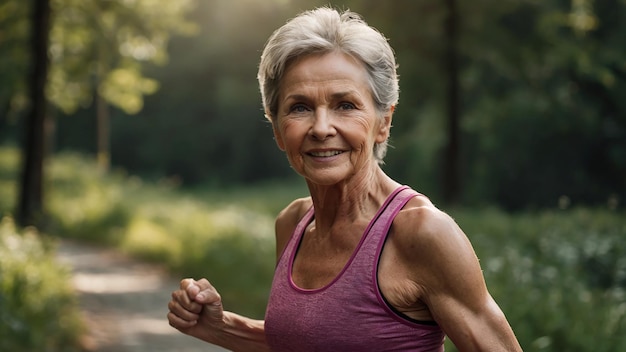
pixel 196 309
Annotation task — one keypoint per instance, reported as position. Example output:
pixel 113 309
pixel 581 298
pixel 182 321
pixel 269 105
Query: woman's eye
pixel 346 106
pixel 298 108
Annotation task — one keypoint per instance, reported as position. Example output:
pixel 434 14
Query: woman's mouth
pixel 326 154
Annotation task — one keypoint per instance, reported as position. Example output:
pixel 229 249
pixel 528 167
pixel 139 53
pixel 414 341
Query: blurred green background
pixel 541 98
pixel 512 117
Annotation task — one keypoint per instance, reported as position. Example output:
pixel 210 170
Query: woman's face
pixel 327 122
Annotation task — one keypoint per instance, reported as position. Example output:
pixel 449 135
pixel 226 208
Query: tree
pixel 30 205
pixel 451 185
pixel 543 114
pixel 15 28
pixel 98 49
pixel 94 47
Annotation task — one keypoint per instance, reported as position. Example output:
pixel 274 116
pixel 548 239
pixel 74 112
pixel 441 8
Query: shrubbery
pixel 38 310
pixel 226 236
pixel 559 275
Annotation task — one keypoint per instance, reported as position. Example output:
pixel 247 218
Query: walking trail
pixel 124 302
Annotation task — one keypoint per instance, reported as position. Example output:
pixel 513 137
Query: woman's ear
pixel 385 126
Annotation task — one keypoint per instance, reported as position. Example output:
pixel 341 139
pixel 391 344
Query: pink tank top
pixel 350 313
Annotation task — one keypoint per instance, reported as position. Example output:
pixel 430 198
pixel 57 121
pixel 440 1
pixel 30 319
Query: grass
pixel 559 275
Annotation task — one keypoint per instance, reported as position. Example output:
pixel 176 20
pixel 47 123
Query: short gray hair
pixel 324 30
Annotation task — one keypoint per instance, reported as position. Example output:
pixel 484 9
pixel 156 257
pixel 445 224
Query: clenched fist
pixel 196 309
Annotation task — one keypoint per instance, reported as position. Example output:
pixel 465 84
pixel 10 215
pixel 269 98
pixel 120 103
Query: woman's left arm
pixel 453 286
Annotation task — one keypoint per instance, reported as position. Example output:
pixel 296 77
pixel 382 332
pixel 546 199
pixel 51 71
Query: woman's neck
pixel 357 198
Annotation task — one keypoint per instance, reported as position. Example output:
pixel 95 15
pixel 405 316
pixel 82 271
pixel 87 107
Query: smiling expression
pixel 327 121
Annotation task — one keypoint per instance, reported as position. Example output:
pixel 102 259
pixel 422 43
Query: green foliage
pixel 559 275
pixel 208 103
pixel 543 113
pixel 38 309
pixel 14 61
pixel 200 233
pixel 9 161
pixel 541 99
pixel 94 46
pixel 82 202
pixel 110 40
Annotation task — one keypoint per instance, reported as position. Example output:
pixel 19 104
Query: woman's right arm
pixel 196 310
pixel 196 307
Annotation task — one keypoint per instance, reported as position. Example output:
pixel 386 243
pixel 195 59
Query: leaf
pixel 125 88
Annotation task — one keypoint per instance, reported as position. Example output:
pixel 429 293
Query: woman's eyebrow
pixel 343 94
pixel 334 96
pixel 296 97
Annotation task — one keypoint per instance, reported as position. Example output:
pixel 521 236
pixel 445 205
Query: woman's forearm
pixel 238 333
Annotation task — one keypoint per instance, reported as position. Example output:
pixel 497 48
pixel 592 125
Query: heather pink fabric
pixel 348 314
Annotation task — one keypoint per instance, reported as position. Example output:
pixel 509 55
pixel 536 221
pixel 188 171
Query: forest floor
pixel 124 302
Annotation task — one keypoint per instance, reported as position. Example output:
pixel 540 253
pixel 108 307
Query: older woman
pixel 364 263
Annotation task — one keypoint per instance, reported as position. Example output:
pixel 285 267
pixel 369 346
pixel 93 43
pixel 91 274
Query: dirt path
pixel 124 302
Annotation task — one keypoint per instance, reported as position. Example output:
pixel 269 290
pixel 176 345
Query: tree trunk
pixel 103 121
pixel 4 112
pixel 452 187
pixel 30 203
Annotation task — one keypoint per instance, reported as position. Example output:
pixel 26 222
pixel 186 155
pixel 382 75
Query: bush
pixel 232 247
pixel 9 161
pixel 226 236
pixel 84 203
pixel 559 276
pixel 38 309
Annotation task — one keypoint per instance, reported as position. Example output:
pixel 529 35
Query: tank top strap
pixel 378 226
pixel 384 221
pixel 297 233
pixel 377 233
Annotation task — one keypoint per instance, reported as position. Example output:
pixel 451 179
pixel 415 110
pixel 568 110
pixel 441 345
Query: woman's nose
pixel 322 126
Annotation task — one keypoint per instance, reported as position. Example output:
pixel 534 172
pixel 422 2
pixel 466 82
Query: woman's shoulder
pixel 288 219
pixel 431 245
pixel 420 224
pixel 293 212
